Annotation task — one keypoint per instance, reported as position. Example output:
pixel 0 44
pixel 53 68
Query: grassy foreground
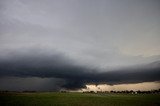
pixel 78 99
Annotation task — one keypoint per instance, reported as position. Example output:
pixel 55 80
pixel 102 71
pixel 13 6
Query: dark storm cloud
pixel 75 76
pixel 95 38
pixel 30 83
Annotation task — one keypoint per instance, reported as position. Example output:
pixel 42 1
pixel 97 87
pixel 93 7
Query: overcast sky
pixel 84 35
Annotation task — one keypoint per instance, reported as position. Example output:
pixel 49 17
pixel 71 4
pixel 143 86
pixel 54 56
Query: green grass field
pixel 78 99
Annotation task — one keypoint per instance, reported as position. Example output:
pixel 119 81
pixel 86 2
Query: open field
pixel 78 99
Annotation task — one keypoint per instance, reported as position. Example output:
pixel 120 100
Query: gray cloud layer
pixel 103 33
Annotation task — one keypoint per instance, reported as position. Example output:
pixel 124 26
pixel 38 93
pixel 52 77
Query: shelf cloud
pixel 76 42
pixel 74 76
